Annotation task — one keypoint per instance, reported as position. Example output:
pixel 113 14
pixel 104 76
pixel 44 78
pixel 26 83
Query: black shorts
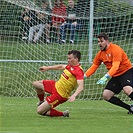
pixel 116 84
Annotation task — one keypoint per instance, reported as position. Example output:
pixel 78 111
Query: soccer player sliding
pixel 72 77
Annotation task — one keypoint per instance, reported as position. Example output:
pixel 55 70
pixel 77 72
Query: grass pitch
pixel 18 115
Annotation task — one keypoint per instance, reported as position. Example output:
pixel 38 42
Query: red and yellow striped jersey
pixel 68 80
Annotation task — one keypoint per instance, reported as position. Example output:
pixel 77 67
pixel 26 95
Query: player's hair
pixel 103 35
pixel 76 54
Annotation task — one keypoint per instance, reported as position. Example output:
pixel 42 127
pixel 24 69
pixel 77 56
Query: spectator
pixel 39 22
pixel 59 14
pixel 26 23
pixel 71 23
pixel 46 19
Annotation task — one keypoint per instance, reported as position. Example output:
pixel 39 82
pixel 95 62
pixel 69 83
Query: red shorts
pixel 54 99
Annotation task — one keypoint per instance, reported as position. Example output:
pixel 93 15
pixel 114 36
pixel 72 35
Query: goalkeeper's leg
pixel 109 96
pixel 115 86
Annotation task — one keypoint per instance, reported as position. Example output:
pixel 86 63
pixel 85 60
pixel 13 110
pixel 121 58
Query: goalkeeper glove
pixel 85 76
pixel 103 79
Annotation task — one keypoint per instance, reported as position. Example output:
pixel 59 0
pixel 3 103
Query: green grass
pixel 18 115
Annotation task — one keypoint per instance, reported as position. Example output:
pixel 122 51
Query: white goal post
pixel 20 60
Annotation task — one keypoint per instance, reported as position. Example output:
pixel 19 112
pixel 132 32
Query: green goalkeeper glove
pixel 85 76
pixel 103 79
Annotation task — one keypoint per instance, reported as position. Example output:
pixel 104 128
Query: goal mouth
pixel 20 57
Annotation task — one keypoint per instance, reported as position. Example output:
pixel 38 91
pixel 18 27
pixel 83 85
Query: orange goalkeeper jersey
pixel 68 80
pixel 114 58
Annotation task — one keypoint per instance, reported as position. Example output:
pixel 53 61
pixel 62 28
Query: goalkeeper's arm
pixel 91 70
pixel 111 72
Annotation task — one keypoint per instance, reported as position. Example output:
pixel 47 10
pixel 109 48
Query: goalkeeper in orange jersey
pixel 60 90
pixel 120 71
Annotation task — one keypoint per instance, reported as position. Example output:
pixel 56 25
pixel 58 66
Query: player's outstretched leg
pixel 56 113
pixel 46 109
pixel 118 102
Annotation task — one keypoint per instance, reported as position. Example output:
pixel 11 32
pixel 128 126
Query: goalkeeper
pixel 120 72
pixel 60 90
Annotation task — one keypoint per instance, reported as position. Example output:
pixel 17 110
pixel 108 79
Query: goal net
pixel 24 49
